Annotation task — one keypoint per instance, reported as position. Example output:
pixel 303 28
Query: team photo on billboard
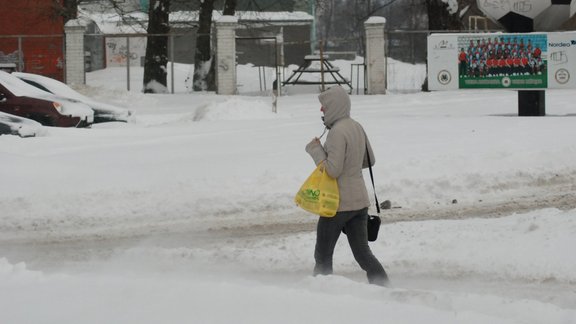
pixel 502 61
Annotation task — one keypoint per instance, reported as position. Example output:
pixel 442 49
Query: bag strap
pixel 372 177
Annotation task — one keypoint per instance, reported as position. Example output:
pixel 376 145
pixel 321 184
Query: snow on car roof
pixel 54 86
pixel 18 87
pixel 22 126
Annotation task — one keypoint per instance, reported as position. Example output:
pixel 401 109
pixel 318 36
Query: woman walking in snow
pixel 344 155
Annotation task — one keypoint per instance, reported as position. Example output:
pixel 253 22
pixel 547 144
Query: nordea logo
pixel 562 44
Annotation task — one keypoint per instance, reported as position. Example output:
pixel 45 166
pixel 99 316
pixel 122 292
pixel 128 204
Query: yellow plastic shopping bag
pixel 319 194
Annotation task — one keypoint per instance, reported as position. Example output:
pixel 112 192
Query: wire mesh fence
pixel 258 57
pixel 40 54
pixel 261 55
pixel 127 52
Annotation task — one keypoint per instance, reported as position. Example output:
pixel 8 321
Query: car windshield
pixel 18 87
pixel 50 85
pixel 36 84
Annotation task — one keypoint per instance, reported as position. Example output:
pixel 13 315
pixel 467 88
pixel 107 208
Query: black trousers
pixel 327 234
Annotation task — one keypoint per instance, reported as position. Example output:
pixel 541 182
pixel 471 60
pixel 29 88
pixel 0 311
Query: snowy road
pixel 232 252
pixel 268 259
pixel 186 215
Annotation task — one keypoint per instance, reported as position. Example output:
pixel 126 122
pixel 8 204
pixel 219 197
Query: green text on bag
pixel 319 194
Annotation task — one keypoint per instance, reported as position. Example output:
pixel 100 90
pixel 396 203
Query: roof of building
pixel 114 23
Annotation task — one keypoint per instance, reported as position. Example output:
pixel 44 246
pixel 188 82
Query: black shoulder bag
pixel 374 221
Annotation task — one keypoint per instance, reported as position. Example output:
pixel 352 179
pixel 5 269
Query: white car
pixel 23 127
pixel 103 112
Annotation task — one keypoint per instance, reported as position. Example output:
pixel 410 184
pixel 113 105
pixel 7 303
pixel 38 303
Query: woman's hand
pixel 315 141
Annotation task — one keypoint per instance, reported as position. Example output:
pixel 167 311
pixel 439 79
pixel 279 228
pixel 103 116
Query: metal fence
pixel 406 60
pixel 128 51
pixel 41 54
pixel 261 55
pixel 45 55
pixel 407 46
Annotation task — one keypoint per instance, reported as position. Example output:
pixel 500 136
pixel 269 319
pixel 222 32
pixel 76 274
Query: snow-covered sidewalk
pixel 148 222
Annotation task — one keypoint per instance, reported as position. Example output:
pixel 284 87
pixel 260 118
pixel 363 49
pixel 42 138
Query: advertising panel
pixel 502 61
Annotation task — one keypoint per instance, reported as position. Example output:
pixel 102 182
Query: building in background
pixel 32 37
pixel 265 38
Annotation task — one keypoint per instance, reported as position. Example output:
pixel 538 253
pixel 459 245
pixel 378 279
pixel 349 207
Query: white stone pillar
pixel 375 55
pixel 226 55
pixel 75 30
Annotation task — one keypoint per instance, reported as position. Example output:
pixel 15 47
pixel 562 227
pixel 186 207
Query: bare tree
pixel 71 10
pixel 156 59
pixel 443 17
pixel 341 23
pixel 67 10
pixel 326 13
pixel 229 8
pixel 204 78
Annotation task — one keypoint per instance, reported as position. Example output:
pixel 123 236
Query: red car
pixel 21 99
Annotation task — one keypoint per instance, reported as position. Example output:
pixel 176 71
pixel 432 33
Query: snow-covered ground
pixel 186 215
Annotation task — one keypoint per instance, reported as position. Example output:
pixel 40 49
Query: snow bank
pixel 235 109
pixel 186 213
pixel 265 279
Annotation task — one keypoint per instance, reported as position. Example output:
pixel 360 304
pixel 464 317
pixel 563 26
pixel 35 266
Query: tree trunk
pixel 229 8
pixel 204 64
pixel 156 60
pixel 71 10
pixel 204 79
pixel 439 17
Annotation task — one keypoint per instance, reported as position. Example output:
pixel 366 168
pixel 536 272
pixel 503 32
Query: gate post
pixel 75 73
pixel 226 55
pixel 375 55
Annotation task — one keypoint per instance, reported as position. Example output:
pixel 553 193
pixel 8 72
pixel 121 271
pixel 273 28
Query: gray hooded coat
pixel 344 151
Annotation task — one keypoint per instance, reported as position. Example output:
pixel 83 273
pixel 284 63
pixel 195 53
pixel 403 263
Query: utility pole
pixel 312 6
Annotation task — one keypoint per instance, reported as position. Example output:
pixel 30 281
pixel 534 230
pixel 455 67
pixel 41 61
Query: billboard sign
pixel 502 61
pixel 527 8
